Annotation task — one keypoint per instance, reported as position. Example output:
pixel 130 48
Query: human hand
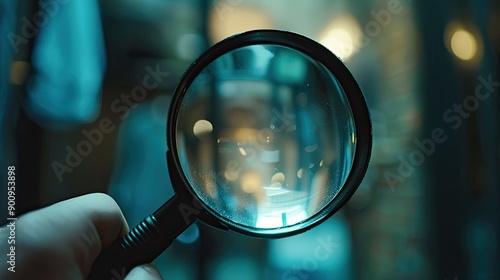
pixel 63 240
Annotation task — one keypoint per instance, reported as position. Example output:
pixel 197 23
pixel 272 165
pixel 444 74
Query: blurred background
pixel 86 86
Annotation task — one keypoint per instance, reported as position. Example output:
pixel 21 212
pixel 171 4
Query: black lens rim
pixel 354 96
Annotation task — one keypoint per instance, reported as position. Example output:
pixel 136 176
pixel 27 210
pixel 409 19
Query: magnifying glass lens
pixel 268 131
pixel 265 137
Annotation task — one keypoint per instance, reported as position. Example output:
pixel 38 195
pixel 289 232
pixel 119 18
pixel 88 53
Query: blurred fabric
pixel 68 61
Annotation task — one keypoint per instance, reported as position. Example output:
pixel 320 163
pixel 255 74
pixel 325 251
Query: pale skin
pixel 63 240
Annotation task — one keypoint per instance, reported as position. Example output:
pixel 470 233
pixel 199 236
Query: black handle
pixel 144 242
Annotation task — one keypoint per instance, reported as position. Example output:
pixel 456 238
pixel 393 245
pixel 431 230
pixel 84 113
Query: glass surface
pixel 265 136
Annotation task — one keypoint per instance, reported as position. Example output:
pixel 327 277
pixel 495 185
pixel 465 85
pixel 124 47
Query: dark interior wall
pixel 463 170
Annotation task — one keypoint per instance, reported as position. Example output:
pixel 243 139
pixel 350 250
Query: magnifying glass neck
pixel 146 241
pixel 173 217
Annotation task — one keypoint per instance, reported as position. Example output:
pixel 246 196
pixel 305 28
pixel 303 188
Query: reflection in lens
pixel 202 127
pixel 265 137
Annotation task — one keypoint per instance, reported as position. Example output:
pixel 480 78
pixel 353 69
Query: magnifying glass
pixel 268 135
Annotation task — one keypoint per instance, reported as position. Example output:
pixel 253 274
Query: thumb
pixel 144 272
pixel 63 240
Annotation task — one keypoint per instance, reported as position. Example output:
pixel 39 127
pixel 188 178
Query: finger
pixel 144 272
pixel 69 234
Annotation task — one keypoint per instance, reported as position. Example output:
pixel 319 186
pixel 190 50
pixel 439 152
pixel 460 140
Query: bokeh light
pixel 342 36
pixel 463 44
pixel 229 20
pixel 19 71
pixel 202 127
